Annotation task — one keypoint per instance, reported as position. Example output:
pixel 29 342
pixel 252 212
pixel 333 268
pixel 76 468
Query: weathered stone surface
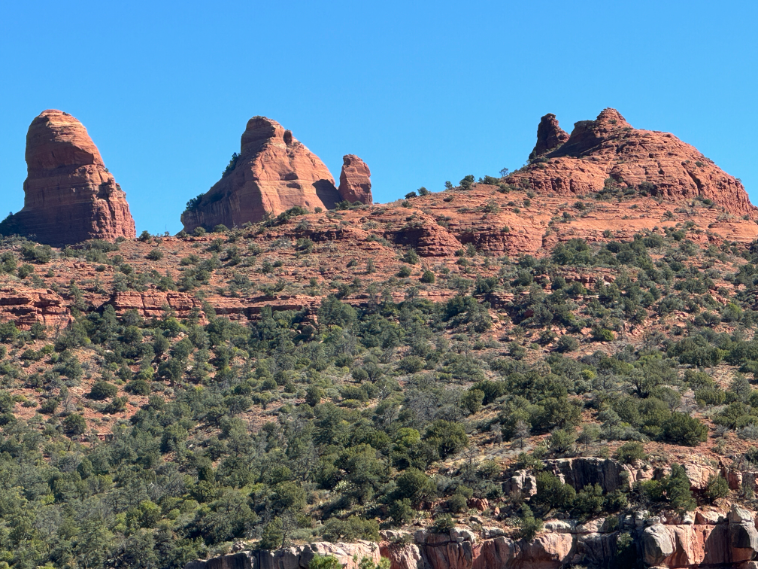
pixel 610 148
pixel 521 484
pixel 725 543
pixel 583 471
pixel 355 180
pixel 25 306
pixel 273 173
pixel 401 556
pixel 427 237
pixel 69 194
pixel 153 302
pixel 658 544
pixel 547 551
pixel 550 135
pixel 348 554
pixel 699 474
pixel 722 543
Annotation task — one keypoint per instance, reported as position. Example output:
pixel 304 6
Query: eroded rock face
pixel 69 194
pixel 549 135
pixel 355 180
pixel 584 471
pixel 730 541
pixel 25 306
pixel 273 173
pixel 348 554
pixel 609 148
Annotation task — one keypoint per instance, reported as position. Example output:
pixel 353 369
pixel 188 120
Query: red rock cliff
pixel 609 148
pixel 69 194
pixel 273 173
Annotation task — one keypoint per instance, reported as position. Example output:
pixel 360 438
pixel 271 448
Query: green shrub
pixel 74 424
pixel 447 436
pixel 681 429
pixel 553 493
pixel 472 400
pixel 457 503
pixel 401 511
pixel 351 529
pixel 528 525
pixel 631 452
pixel 566 343
pixel 443 524
pixel 273 538
pixel 717 487
pixel 102 390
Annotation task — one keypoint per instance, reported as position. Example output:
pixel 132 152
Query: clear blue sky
pixel 423 91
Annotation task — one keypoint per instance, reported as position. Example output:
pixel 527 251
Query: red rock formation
pixel 27 306
pixel 549 136
pixel 154 302
pixel 355 180
pixel 610 152
pixel 274 172
pixel 69 194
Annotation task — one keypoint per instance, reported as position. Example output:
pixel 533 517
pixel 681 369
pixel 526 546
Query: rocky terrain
pixel 273 173
pixel 609 152
pixel 69 194
pixel 501 374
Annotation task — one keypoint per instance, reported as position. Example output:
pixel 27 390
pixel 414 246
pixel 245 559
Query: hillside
pixel 499 374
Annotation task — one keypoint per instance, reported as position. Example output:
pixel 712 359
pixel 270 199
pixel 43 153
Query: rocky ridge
pixel 710 538
pixel 609 154
pixel 70 196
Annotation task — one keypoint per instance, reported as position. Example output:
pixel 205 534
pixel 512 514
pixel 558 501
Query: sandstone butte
pixel 69 194
pixel 355 180
pixel 273 173
pixel 609 153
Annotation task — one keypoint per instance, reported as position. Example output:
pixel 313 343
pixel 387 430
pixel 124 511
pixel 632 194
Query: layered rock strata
pixel 70 196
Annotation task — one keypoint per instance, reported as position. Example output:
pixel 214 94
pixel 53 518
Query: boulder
pixel 69 194
pixel 355 180
pixel 521 484
pixel 547 551
pixel 658 543
pixel 498 552
pixel 401 556
pixel 272 173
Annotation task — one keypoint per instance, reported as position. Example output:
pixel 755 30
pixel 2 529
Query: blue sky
pixel 423 91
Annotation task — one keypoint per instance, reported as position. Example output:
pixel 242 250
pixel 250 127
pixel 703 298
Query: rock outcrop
pixel 609 153
pixel 719 544
pixel 25 306
pixel 348 554
pixel 69 194
pixel 549 136
pixel 355 180
pixel 273 173
pixel 723 541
